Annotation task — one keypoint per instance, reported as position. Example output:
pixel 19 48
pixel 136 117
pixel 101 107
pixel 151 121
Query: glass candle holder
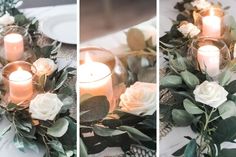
pixel 101 73
pixel 18 79
pixel 14 41
pixel 211 22
pixel 209 55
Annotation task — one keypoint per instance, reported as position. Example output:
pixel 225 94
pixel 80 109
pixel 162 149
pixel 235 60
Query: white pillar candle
pixel 208 57
pixel 95 79
pixel 20 86
pixel 14 46
pixel 211 25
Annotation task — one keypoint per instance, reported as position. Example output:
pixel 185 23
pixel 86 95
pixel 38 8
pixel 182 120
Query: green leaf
pixel 225 77
pixel 25 127
pixel 226 131
pixel 21 20
pixel 178 63
pixel 180 151
pixel 227 109
pixel 182 117
pixel 227 153
pixel 18 142
pixel 31 145
pixel 83 150
pixel 4 131
pixel 231 87
pixel 135 133
pixel 67 103
pixel 171 81
pixel 56 145
pixel 59 128
pixel 106 132
pixel 97 107
pixel 61 80
pixel 191 149
pixel 191 107
pixel 190 79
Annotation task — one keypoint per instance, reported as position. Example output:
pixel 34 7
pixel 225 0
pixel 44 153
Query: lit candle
pixel 211 25
pixel 20 85
pixel 209 59
pixel 14 46
pixel 95 79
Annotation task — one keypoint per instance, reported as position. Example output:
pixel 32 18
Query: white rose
pixel 45 106
pixel 7 19
pixel 189 29
pixel 149 31
pixel 139 98
pixel 201 4
pixel 210 93
pixel 45 66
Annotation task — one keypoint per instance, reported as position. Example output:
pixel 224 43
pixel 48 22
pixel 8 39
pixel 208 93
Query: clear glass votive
pixel 14 42
pixel 209 55
pixel 101 73
pixel 19 80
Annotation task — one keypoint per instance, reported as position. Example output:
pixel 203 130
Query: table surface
pixel 67 55
pixel 175 139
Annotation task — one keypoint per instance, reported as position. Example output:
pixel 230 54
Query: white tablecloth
pixel 7 147
pixel 175 139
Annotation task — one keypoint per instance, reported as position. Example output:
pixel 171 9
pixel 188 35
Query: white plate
pixel 60 27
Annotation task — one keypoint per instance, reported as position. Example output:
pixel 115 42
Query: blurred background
pixel 41 3
pixel 98 18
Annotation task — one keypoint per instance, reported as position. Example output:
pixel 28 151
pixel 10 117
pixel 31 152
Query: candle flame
pixel 19 69
pixel 212 13
pixel 88 59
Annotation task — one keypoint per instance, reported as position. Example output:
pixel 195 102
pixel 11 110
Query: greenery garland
pixel 214 123
pixel 58 135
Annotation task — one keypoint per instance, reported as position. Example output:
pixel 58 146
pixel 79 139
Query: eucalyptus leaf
pixel 225 77
pixel 171 81
pixel 231 87
pixel 106 132
pixel 97 107
pixel 56 145
pixel 135 133
pixel 18 142
pixel 59 128
pixel 227 153
pixel 191 149
pixel 67 103
pixel 180 151
pixel 61 80
pixel 225 131
pixel 135 39
pixel 4 131
pixel 191 107
pixel 227 109
pixel 182 117
pixel 190 79
pixel 31 145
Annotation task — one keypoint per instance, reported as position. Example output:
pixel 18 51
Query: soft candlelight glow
pixel 20 85
pixel 95 79
pixel 211 25
pixel 14 46
pixel 209 59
